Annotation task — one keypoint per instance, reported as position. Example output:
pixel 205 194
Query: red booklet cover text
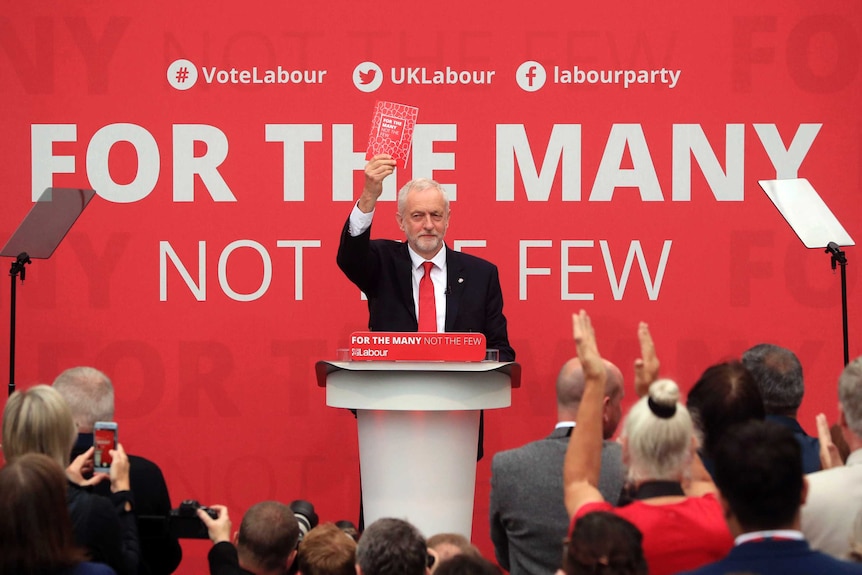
pixel 392 131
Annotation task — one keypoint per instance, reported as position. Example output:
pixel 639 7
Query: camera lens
pixel 305 516
pixel 349 528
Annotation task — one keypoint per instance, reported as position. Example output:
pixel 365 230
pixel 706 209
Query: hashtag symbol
pixel 182 74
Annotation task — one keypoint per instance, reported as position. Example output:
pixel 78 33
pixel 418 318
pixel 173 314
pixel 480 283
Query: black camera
pixel 349 529
pixel 182 522
pixel 305 516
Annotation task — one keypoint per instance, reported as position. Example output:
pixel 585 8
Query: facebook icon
pixel 530 76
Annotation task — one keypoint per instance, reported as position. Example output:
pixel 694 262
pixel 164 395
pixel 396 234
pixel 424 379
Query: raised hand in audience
pixel 829 455
pixel 583 461
pixel 647 365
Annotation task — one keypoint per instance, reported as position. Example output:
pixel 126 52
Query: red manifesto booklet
pixel 392 131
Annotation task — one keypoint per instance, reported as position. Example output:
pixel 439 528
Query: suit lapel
pixel 404 280
pixel 455 278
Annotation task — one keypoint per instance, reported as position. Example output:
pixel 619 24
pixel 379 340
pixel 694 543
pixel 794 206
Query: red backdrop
pixel 202 278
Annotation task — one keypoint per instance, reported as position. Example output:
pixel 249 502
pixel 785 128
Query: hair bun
pixel 663 397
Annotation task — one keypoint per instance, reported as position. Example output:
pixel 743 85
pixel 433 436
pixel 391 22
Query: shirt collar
pixel 439 259
pixel 770 535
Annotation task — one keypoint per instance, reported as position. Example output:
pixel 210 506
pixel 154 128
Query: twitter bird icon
pixel 367 77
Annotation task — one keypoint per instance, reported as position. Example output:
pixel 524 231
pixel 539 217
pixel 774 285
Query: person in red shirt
pixel 674 503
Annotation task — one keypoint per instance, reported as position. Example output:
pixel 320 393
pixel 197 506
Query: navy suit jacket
pixel 781 557
pixel 810 445
pixel 382 269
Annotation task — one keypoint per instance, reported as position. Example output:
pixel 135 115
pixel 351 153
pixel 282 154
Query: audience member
pixel 835 495
pixel 528 516
pixel 90 395
pixel 264 545
pixel 758 471
pixel 38 420
pixel 778 374
pixel 726 394
pixel 446 545
pixel 605 543
pixel 327 550
pixel 391 546
pixel 682 529
pixel 35 528
pixel 466 564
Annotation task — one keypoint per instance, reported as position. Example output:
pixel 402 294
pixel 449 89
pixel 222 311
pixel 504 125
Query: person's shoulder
pixel 516 454
pixel 141 465
pixel 610 446
pixel 468 259
pixel 602 506
pixel 385 245
pixel 825 478
pixel 824 563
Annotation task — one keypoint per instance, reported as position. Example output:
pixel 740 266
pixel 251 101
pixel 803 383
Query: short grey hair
pixel 90 395
pixel 418 185
pixel 850 395
pixel 778 374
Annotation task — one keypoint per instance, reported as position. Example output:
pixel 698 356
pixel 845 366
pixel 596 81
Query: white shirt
pixel 360 222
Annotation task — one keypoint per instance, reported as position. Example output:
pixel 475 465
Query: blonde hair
pixel 659 431
pixel 38 420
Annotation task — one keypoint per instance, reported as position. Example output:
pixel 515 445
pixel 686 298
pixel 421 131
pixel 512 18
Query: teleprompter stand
pixel 37 236
pixel 816 226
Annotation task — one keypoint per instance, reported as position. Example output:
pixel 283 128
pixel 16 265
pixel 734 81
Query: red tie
pixel 427 307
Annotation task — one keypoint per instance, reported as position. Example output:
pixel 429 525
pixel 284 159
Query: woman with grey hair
pixel 678 514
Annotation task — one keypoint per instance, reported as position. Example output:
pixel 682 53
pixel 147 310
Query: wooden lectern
pixel 418 428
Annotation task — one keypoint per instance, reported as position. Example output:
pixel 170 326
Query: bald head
pixel 570 391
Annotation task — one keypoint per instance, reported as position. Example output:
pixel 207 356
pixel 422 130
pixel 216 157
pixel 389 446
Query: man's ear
pixel 358 569
pixel 235 537
pixel 400 221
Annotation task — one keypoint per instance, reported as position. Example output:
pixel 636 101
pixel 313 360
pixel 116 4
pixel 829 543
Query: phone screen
pixel 104 439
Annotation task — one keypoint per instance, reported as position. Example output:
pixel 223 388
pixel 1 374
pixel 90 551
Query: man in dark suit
pixel 778 374
pixel 90 395
pixel 758 471
pixel 468 296
pixel 528 516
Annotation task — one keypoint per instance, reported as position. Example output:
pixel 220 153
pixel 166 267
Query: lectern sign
pixel 416 346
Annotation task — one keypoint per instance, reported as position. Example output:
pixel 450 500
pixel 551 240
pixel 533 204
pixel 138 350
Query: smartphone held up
pixel 104 440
